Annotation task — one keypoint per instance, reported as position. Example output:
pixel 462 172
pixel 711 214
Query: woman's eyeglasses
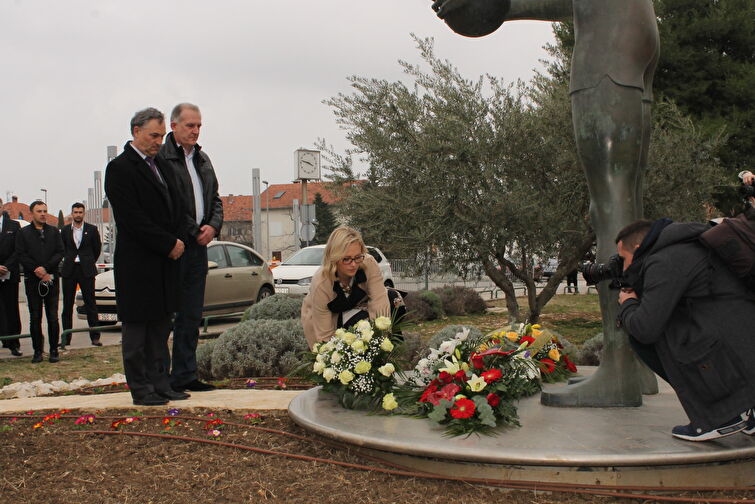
pixel 348 260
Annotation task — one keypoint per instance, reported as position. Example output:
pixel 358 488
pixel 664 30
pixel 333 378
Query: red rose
pixel 460 376
pixel 527 339
pixel 463 408
pixel 431 389
pixel 445 377
pixel 549 365
pixel 477 362
pixel 569 364
pixel 492 375
pixel 493 399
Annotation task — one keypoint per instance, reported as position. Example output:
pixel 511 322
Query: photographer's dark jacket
pixel 699 317
pixel 172 155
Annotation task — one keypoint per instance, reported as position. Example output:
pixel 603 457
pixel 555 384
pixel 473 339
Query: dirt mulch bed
pixel 57 464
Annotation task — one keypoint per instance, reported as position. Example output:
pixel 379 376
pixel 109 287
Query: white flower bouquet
pixel 358 364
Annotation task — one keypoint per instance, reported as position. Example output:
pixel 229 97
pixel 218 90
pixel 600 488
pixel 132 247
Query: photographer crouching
pixel 689 318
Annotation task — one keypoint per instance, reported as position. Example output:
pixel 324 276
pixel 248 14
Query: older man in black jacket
pixel 203 218
pixel 40 251
pixel 10 320
pixel 147 211
pixel 690 320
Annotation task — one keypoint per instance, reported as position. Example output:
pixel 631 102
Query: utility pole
pixel 256 221
pixel 268 249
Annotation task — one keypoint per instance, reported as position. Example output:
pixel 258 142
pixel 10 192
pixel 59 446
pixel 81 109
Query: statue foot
pixel 648 381
pixel 605 388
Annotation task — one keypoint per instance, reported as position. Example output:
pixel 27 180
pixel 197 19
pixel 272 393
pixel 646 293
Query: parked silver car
pixel 237 277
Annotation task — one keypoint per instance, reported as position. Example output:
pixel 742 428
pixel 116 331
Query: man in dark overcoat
pixel 147 212
pixel 690 320
pixel 40 251
pixel 10 319
pixel 82 245
pixel 203 219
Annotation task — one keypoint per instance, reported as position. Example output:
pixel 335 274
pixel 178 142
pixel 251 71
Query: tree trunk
pixel 498 276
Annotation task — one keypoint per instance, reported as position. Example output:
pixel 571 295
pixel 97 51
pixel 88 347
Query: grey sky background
pixel 75 71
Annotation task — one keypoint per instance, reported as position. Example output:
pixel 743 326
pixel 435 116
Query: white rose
pixel 387 370
pixel 327 347
pixel 363 325
pixel 383 323
pixel 320 358
pixel 386 345
pixel 335 357
pixel 349 338
pixel 318 367
pixel 340 332
pixel 367 335
pixel 358 346
pixel 329 374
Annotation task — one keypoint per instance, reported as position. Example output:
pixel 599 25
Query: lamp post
pixel 267 220
pixel 45 191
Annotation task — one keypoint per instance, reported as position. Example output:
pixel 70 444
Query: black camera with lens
pixel 747 191
pixel 613 270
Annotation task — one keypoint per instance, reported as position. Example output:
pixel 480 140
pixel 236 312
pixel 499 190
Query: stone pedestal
pixel 622 446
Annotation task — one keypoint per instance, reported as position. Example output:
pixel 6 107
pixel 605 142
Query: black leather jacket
pixel 173 155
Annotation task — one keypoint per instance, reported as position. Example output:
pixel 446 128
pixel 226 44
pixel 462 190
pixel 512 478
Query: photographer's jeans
pixel 193 270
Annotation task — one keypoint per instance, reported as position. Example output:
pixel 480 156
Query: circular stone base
pixel 620 446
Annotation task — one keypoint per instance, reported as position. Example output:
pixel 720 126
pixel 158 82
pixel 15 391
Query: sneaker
pixel 750 429
pixel 691 433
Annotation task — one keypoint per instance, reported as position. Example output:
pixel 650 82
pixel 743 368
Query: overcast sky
pixel 75 71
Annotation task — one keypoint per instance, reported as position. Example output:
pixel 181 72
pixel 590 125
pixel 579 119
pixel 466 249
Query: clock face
pixel 309 164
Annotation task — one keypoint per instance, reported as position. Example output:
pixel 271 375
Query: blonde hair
pixel 339 240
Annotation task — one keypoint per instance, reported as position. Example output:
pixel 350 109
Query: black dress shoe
pixel 150 400
pixel 96 342
pixel 173 395
pixel 195 386
pixel 15 352
pixel 37 357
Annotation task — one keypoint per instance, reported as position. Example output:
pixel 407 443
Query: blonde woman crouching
pixel 347 288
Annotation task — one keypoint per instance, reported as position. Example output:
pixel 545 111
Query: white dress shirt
pixel 196 183
pixel 78 234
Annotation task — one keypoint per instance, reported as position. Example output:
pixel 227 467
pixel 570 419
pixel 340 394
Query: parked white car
pixel 294 275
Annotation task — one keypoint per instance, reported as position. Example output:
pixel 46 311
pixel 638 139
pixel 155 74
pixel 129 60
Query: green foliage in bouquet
pixel 275 307
pixel 469 384
pixel 358 365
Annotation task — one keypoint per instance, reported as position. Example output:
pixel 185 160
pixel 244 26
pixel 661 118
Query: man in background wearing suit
pixel 82 245
pixel 147 211
pixel 40 250
pixel 203 218
pixel 10 320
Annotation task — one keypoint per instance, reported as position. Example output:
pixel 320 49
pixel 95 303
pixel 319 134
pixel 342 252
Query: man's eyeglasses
pixel 357 259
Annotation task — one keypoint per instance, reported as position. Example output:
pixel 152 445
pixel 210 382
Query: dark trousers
pixel 145 351
pixel 10 319
pixel 649 355
pixel 48 302
pixel 193 269
pixel 571 279
pixel 69 298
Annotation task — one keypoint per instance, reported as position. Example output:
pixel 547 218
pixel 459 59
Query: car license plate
pixel 281 290
pixel 108 316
